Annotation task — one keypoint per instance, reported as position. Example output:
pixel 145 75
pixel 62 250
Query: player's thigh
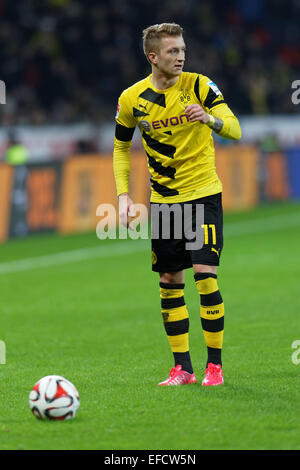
pixel 169 254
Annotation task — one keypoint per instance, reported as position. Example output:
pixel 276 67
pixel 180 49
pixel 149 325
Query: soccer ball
pixel 54 397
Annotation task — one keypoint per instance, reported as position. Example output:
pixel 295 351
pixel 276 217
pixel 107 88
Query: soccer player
pixel 177 113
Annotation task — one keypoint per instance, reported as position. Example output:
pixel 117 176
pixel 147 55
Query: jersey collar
pixel 176 85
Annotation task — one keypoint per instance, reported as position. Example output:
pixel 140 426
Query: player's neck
pixel 161 81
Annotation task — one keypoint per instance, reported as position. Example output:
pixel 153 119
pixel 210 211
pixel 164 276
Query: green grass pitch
pixel 94 317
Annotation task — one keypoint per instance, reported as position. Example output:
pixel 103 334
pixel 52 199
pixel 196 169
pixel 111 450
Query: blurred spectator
pixel 65 61
pixel 16 153
pixel 86 147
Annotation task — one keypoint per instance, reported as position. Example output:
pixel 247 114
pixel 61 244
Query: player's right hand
pixel 195 113
pixel 126 210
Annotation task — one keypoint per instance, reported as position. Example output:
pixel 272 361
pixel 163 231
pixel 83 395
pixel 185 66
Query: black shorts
pixel 175 251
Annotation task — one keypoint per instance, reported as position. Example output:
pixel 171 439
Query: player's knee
pixel 172 278
pixel 204 268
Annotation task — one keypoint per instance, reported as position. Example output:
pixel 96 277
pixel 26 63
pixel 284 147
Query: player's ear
pixel 152 57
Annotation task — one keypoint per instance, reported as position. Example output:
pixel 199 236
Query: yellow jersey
pixel 181 154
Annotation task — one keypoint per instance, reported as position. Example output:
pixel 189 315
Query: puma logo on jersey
pixel 142 106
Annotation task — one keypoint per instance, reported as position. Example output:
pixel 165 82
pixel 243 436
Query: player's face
pixel 171 56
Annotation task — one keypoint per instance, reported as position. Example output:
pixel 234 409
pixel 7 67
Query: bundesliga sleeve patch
pixel 118 110
pixel 214 88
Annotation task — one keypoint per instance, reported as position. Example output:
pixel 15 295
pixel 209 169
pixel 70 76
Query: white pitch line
pixel 71 256
pixel 234 229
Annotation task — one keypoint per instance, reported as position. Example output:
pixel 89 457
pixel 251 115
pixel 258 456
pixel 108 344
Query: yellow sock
pixel 212 315
pixel 176 322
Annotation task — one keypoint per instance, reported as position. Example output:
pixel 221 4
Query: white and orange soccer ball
pixel 54 397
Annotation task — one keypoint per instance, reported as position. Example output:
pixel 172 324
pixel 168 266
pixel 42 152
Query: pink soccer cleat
pixel 179 377
pixel 213 375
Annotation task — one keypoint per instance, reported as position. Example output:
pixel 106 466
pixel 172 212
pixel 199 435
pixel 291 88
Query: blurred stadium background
pixel 64 64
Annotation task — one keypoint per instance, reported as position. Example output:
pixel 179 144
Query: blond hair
pixel 153 34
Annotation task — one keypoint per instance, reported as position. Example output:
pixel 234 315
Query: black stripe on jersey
pixel 168 132
pixel 160 169
pixel 123 133
pixel 196 88
pixel 172 303
pixel 156 98
pixel 163 190
pixel 138 113
pixel 213 326
pixel 216 104
pixel 164 149
pixel 211 97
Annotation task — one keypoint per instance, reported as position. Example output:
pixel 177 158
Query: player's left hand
pixel 196 113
